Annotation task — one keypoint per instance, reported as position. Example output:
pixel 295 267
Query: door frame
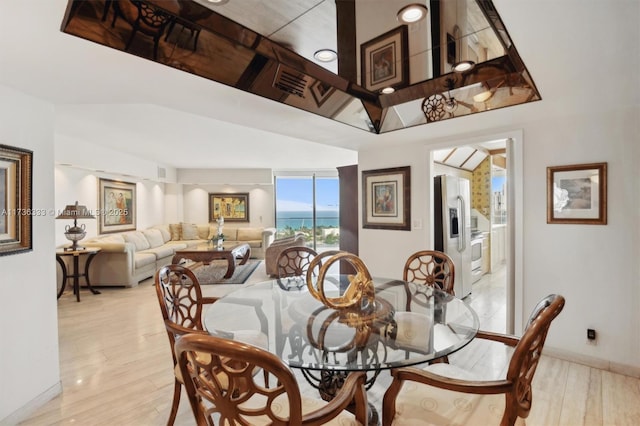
pixel 515 207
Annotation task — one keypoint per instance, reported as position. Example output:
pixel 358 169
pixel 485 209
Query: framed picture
pixel 116 206
pixel 232 207
pixel 321 91
pixel 383 60
pixel 16 171
pixel 387 198
pixel 577 194
pixel 451 49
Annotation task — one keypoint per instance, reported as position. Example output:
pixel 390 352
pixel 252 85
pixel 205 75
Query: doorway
pixel 497 294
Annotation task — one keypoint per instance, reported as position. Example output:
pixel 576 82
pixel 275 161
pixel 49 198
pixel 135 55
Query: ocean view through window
pixel 309 205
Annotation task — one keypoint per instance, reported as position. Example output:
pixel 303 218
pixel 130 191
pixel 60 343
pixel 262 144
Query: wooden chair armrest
pixel 353 390
pixel 178 330
pixel 449 383
pixel 497 337
pixel 209 300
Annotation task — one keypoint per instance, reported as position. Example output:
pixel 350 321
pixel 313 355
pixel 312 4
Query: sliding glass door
pixel 309 204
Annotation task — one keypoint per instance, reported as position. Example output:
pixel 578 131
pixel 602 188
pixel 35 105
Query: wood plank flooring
pixel 116 366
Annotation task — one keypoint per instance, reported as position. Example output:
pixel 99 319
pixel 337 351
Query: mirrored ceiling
pixel 387 74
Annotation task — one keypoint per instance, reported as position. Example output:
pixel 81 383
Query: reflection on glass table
pixel 409 324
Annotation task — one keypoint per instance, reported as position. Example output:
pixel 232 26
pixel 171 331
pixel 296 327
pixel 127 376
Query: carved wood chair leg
pixel 175 403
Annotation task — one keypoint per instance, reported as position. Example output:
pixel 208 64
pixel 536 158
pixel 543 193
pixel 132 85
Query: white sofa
pixel 129 257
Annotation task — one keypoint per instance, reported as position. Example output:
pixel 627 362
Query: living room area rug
pixel 215 271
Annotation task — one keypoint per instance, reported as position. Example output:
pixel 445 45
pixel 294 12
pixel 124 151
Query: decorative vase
pixel 220 243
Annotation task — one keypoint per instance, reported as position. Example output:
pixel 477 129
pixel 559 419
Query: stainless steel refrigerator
pixel 452 227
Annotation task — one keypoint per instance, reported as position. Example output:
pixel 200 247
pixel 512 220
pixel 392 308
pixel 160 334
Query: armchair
pixel 458 397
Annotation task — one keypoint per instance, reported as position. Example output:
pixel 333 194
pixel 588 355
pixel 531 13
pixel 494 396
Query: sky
pixel 295 194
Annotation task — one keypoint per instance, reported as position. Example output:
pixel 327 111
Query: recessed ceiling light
pixel 325 55
pixel 483 96
pixel 218 2
pixel 387 90
pixel 463 66
pixel 412 13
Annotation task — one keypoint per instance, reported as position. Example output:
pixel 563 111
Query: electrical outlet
pixel 591 334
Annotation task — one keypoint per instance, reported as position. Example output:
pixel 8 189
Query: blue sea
pixel 299 219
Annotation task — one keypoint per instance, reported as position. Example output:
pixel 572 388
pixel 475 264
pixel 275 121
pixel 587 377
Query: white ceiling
pixel 106 97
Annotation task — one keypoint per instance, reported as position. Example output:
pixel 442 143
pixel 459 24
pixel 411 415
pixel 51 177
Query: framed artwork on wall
pixel 577 194
pixel 321 91
pixel 387 198
pixel 384 60
pixel 15 200
pixel 116 206
pixel 232 207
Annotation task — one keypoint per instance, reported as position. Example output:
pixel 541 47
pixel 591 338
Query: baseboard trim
pixel 32 406
pixel 602 364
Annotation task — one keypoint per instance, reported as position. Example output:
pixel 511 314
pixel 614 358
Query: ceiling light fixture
pixel 218 2
pixel 412 13
pixel 483 96
pixel 450 103
pixel 463 66
pixel 325 55
pixel 387 90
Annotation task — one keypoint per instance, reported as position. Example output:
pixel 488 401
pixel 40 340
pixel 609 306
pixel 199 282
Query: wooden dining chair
pixel 182 304
pixel 225 392
pixel 446 394
pixel 425 267
pixel 294 261
pixel 430 267
pixel 143 18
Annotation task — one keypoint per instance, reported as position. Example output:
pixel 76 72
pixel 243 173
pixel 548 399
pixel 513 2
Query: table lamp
pixel 75 233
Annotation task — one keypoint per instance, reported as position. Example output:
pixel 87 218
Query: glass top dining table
pixel 408 324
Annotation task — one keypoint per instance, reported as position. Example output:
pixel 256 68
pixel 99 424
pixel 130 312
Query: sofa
pixel 276 247
pixel 126 258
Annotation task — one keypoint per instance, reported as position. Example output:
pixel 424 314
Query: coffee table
pixel 206 253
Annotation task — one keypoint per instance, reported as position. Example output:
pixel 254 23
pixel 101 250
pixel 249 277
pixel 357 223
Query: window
pixel 309 204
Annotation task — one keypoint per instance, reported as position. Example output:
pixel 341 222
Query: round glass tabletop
pixel 408 324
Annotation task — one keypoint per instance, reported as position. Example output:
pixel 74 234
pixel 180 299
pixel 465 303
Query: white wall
pixel 594 267
pixel 29 369
pixel 588 118
pixel 75 184
pixel 261 203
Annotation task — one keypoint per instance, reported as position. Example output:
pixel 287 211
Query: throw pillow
pixel 175 230
pixel 203 231
pixel 154 237
pixel 138 239
pixel 189 231
pixel 213 231
pixel 164 230
pixel 249 234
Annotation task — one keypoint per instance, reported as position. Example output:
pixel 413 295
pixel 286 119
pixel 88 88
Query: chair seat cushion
pixel 280 407
pixel 426 405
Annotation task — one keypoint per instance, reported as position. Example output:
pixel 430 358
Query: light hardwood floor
pixel 116 366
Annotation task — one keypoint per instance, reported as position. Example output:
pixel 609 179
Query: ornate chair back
pixel 430 267
pixel 294 261
pixel 181 304
pixel 216 386
pixel 526 356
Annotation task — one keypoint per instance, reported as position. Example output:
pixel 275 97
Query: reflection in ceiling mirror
pixel 269 48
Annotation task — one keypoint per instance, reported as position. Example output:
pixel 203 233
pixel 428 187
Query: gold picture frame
pixel 116 206
pixel 384 60
pixel 16 213
pixel 577 194
pixel 232 207
pixel 386 198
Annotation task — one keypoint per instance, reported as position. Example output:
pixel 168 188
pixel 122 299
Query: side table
pixel 90 254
